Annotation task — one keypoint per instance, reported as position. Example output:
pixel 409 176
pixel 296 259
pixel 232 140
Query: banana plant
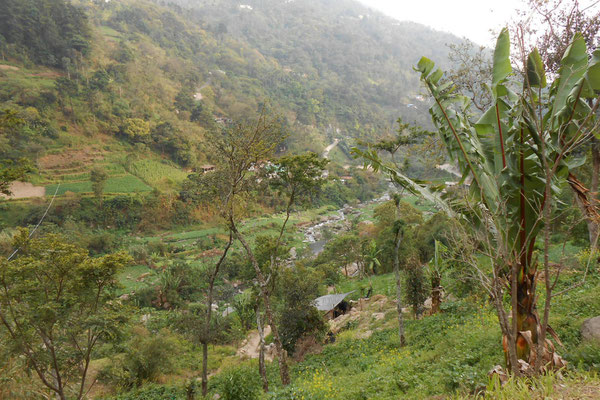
pixel 436 268
pixel 515 159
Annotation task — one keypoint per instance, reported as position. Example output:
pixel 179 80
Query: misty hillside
pixel 361 62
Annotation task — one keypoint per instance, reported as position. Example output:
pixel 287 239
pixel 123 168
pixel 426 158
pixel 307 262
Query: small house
pixel 207 168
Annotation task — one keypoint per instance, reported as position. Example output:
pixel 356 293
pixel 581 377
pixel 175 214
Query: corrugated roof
pixel 328 302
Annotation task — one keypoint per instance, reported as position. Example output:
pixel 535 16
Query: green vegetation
pixel 157 174
pixel 206 157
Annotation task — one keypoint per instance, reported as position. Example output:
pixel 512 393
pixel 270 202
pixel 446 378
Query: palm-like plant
pixel 516 158
pixel 371 257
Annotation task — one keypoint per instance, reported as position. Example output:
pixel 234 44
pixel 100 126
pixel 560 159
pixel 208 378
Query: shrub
pixel 101 243
pixel 146 357
pixel 239 384
pixel 139 253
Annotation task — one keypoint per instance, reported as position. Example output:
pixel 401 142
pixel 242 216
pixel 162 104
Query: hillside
pixel 133 85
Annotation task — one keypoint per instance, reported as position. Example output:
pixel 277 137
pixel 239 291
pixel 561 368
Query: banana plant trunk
pixel 525 312
pixel 436 293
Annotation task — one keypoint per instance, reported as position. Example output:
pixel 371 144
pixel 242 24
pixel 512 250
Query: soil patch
pixel 251 346
pixel 23 190
pixel 70 158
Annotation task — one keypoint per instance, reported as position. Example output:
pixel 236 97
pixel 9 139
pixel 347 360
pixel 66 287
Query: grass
pixel 129 278
pixel 24 79
pixel 575 385
pixel 382 284
pixel 445 353
pixel 110 32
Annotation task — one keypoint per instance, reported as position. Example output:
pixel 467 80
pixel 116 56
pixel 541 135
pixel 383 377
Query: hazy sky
pixel 470 18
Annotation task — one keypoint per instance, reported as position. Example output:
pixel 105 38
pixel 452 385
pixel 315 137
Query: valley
pixel 181 180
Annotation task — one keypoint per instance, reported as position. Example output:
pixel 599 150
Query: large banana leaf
pixel 502 151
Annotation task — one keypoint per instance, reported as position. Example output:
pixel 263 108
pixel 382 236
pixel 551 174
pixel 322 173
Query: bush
pixel 146 357
pixel 157 247
pixel 102 243
pixel 139 253
pixel 239 384
pixel 297 316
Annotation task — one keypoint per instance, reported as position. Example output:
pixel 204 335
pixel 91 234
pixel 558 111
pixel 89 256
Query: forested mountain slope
pixel 356 63
pixel 149 79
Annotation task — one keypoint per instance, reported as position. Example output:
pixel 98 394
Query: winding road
pixel 329 148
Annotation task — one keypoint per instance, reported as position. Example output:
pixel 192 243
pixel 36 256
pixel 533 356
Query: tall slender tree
pixel 238 150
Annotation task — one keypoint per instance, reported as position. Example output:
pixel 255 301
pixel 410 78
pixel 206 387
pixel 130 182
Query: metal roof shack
pixel 330 303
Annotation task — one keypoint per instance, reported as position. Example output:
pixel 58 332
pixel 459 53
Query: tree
pixel 371 257
pixel 66 89
pixel 436 268
pixel 57 304
pixel 516 157
pixel 98 176
pixel 45 30
pixel 11 170
pixel 415 284
pixel 297 314
pixel 342 251
pixel 472 66
pixel 397 213
pixel 136 129
pixel 237 149
pixel 217 190
pixel 209 301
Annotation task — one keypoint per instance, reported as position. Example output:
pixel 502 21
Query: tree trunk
pixel 261 354
pixel 209 301
pixel 508 343
pixel 399 288
pixel 204 368
pixel 524 315
pixel 595 169
pixel 262 282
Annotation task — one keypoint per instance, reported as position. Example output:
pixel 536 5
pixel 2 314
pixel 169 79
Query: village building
pixel 207 168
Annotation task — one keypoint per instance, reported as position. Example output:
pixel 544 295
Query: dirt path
pixel 251 346
pixel 330 147
pixel 23 190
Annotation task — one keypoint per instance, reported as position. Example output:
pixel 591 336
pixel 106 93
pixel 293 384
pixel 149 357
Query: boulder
pixel 377 316
pixel 364 334
pixel 590 330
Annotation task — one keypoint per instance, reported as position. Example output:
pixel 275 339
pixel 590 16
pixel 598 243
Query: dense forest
pixel 299 199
